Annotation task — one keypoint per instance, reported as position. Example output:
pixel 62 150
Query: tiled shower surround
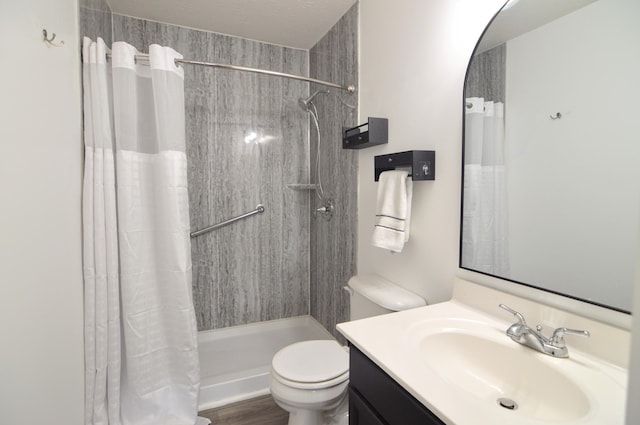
pixel 256 269
pixel 333 243
pixel 487 75
pixel 247 139
pixel 95 20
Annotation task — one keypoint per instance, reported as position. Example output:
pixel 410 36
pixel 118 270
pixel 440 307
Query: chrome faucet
pixel 555 346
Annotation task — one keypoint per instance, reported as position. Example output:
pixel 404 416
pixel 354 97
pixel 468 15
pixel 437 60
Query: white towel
pixel 202 421
pixel 393 210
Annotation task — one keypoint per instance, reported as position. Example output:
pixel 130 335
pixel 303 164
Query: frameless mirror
pixel 551 166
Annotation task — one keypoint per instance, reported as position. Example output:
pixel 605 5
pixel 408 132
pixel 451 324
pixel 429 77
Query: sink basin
pixel 493 371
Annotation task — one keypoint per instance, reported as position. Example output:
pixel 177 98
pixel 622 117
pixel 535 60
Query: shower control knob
pixel 326 210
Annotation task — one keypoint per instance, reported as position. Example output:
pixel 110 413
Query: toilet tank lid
pixel 384 293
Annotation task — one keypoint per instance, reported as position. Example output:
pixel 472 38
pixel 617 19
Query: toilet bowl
pixel 310 379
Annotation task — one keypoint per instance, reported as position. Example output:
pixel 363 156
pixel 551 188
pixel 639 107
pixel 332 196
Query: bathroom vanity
pixel 376 399
pixel 452 363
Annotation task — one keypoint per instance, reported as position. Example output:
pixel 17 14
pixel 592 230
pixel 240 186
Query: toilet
pixel 310 379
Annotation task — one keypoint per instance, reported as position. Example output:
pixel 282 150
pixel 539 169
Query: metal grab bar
pixel 259 210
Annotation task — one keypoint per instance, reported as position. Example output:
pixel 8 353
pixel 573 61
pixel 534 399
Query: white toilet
pixel 310 379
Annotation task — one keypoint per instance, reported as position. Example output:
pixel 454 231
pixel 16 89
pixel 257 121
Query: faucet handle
pixel 557 338
pixel 520 317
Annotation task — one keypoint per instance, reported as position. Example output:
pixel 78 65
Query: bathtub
pixel 235 362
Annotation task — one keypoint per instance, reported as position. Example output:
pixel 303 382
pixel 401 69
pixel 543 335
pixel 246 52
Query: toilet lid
pixel 311 361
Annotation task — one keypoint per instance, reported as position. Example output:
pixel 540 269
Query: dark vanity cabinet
pixel 376 399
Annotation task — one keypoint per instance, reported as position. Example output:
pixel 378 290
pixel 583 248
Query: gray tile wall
pixel 333 243
pixel 95 20
pixel 258 268
pixel 487 75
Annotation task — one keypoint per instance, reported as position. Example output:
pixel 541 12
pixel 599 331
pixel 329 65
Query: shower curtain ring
pixel 557 116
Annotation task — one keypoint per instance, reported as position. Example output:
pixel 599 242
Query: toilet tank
pixel 372 295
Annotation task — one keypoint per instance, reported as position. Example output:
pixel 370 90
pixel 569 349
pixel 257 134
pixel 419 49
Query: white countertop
pixel 394 342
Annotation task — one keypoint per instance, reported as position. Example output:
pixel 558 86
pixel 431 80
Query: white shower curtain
pixel 140 333
pixel 484 227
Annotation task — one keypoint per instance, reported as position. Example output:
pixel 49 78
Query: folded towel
pixel 393 210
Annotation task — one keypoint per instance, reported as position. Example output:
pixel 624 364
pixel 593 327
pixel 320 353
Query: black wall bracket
pixel 375 133
pixel 422 164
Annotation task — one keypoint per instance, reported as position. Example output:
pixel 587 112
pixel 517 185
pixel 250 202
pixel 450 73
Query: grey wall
pixel 95 20
pixel 258 268
pixel 333 243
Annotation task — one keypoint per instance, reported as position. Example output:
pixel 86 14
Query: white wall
pixel 569 181
pixel 633 407
pixel 41 354
pixel 413 57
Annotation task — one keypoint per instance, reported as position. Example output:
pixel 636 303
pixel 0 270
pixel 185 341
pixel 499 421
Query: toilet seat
pixel 311 385
pixel 311 364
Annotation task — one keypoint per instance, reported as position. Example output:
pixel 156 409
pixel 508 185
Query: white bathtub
pixel 235 362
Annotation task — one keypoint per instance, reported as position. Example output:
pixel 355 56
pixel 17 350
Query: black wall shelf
pixel 422 164
pixel 375 133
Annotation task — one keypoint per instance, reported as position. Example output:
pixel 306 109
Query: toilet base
pixel 337 416
pixel 305 417
pixel 334 411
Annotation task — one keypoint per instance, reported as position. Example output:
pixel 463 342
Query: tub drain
pixel 507 403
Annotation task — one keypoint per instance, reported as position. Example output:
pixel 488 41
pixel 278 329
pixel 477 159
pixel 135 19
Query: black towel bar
pixel 422 164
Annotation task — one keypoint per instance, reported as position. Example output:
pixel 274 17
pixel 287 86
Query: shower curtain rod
pixel 350 88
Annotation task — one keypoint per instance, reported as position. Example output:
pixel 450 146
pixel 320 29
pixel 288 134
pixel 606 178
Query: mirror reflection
pixel 551 155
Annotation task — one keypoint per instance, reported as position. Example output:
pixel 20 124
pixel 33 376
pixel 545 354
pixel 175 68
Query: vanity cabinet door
pixel 360 413
pixel 379 393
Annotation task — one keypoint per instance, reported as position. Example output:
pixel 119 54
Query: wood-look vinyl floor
pixel 257 411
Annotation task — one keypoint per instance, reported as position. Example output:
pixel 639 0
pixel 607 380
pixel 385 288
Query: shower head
pixel 304 103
